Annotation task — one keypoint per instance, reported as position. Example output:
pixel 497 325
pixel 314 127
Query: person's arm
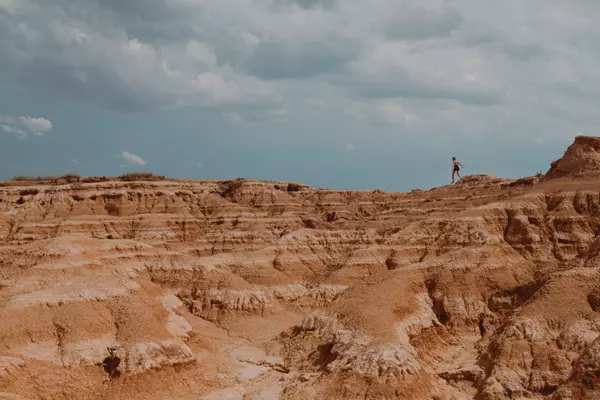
pixel 461 164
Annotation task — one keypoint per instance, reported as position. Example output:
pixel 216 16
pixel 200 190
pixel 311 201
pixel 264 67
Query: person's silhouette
pixel 456 168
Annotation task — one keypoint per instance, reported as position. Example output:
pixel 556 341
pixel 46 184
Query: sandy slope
pixel 487 289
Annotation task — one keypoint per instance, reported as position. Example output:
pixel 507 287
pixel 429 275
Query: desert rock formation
pixel 488 289
pixel 581 159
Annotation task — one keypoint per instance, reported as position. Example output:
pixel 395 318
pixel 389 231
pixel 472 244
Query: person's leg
pixel 453 172
pixel 458 173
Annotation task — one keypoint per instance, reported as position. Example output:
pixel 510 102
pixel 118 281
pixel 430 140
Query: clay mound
pixel 582 159
pixel 170 289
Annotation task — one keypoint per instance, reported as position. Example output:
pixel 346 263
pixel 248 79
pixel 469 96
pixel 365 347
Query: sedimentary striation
pixel 488 289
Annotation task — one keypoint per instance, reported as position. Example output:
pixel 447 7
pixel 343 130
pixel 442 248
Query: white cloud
pixel 19 133
pixel 250 40
pixel 22 127
pixel 431 65
pixel 197 164
pixel 201 52
pixel 350 146
pixel 131 158
pixel 75 161
pixel 36 124
pixel 74 55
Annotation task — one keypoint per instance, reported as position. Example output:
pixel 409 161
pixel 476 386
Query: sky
pixel 344 94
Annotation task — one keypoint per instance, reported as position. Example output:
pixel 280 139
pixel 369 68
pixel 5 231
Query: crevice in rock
pixel 482 329
pixel 391 262
pixel 60 336
pixel 438 303
pixel 460 375
pixel 548 390
pixel 111 364
pixel 507 227
pixel 508 300
pixel 424 255
pixel 431 285
pixel 325 356
pixel 594 300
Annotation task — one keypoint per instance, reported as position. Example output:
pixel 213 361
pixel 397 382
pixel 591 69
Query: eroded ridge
pixel 487 289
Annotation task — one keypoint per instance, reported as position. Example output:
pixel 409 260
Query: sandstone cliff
pixel 488 289
pixel 581 159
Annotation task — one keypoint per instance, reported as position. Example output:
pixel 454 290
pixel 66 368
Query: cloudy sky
pixel 333 93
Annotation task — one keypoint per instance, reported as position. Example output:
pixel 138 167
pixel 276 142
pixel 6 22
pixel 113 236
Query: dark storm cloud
pixel 136 55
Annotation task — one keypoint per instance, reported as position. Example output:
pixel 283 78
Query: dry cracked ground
pixel 488 289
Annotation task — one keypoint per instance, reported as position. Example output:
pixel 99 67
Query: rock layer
pixel 487 289
pixel 581 159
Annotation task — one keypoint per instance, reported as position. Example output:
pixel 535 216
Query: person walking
pixel 456 168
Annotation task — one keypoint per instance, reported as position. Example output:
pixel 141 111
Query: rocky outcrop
pixel 247 289
pixel 213 304
pixel 581 159
pixel 351 351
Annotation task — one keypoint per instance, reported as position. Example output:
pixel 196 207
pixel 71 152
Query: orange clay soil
pixel 488 289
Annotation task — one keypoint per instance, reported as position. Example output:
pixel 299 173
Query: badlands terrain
pixel 245 290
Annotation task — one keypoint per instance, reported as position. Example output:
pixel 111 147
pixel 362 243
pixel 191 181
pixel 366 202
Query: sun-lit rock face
pixel 486 289
pixel 581 159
